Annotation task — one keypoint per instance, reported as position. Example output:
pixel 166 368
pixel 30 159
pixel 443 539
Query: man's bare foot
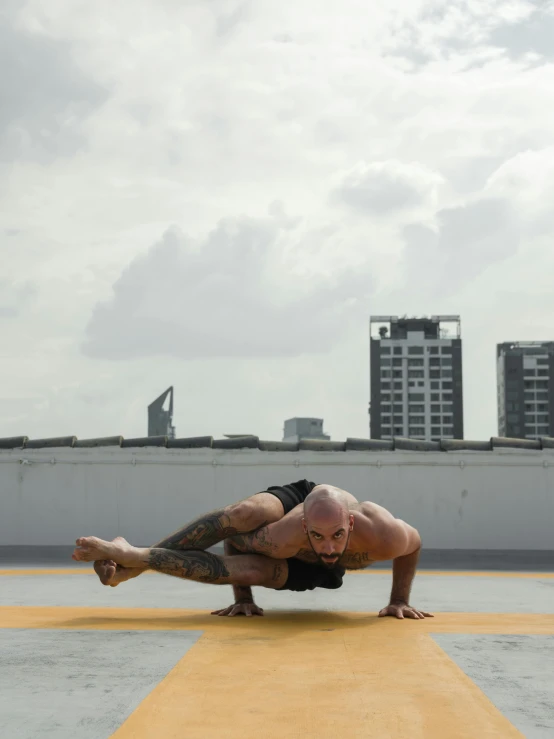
pixel 112 574
pixel 90 548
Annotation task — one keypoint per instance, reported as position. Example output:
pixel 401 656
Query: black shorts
pixel 308 576
pixel 293 494
pixel 304 575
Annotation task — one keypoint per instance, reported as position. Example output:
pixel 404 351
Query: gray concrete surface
pixel 360 592
pixel 80 685
pixel 515 672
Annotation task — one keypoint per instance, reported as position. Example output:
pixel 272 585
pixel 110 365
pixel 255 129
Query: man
pixel 292 537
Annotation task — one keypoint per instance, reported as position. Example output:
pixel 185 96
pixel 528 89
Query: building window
pixel 446 361
pixel 385 397
pixel 398 430
pixel 436 431
pixel 542 373
pixel 416 396
pixel 411 383
pixel 435 396
pixel 415 362
pixel 435 385
pixel 542 394
pixel 397 408
pixel 434 373
pixel 416 373
pixel 542 360
pixel 386 361
pixel 417 420
pixel 435 419
pixel 447 419
pixel 446 350
pixel 414 408
pixel 385 386
pixel 541 383
pixel 435 408
pixel 433 350
pixel 385 408
pixel 415 350
pixel 513 417
pixel 415 431
pixel 421 383
pixel 446 372
pixel 447 386
pixel 397 350
pixel 447 408
pixel 397 362
pixel 434 362
pixel 541 418
pixel 385 349
pixel 385 373
pixel 397 385
pixel 397 373
pixel 398 397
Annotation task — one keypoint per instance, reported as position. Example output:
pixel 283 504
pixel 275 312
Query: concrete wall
pixel 468 500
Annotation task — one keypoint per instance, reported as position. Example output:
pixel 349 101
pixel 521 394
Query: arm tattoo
pixel 306 555
pixel 259 541
pixel 202 533
pixel 356 560
pixel 190 565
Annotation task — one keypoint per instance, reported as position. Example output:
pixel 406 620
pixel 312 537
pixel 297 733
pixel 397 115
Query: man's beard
pixel 336 561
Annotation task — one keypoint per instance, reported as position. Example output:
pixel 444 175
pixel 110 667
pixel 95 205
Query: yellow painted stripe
pixel 59 571
pixel 367 682
pixel 282 622
pixel 461 573
pixel 369 571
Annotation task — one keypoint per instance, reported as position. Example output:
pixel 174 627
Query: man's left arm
pixel 402 544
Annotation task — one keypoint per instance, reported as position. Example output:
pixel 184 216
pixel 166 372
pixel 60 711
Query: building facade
pixel 416 384
pixel 304 428
pixel 525 392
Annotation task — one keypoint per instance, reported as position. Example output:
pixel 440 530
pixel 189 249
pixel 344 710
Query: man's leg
pixel 245 570
pixel 205 531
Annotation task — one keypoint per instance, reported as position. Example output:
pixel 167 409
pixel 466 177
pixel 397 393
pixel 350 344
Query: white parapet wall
pixel 496 500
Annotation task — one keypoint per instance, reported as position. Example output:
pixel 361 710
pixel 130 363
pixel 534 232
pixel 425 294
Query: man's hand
pixel 403 610
pixel 244 608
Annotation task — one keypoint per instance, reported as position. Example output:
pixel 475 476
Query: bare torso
pixel 370 539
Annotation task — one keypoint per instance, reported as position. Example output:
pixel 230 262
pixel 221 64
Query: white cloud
pixel 431 117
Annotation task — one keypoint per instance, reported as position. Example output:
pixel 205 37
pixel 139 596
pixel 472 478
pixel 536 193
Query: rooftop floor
pixel 147 660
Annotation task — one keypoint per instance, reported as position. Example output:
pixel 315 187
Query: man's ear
pixel 304 525
pixel 351 522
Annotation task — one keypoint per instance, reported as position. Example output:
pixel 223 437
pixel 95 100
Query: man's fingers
pixel 399 613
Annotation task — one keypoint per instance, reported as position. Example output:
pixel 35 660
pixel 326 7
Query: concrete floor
pixel 147 659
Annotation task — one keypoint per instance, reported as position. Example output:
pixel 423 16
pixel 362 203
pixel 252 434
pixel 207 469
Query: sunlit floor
pixel 147 660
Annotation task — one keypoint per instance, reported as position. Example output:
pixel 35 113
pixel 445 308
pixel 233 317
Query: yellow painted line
pixel 461 573
pixel 282 622
pixel 59 571
pixel 305 674
pixel 309 682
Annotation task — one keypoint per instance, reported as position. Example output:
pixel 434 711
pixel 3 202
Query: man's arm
pixel 395 539
pixel 244 600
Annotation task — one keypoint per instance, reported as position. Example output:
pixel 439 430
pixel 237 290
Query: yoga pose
pixel 293 537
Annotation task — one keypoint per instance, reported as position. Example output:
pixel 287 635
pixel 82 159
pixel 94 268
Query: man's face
pixel 329 538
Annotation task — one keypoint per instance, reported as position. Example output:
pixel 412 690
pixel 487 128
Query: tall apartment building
pixel 525 389
pixel 416 377
pixel 304 428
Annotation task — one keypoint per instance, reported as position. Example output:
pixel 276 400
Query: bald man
pixel 311 534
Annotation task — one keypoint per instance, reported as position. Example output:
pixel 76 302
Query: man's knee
pixel 251 514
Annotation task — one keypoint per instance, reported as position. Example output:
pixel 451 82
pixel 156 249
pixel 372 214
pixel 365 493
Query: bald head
pixel 327 522
pixel 323 504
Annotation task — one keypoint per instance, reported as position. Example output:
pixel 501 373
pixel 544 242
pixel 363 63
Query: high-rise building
pixel 304 428
pixel 416 377
pixel 525 389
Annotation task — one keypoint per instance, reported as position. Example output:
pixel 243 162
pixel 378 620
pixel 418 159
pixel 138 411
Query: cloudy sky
pixel 217 194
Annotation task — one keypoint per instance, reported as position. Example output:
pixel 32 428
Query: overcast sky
pixel 217 194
